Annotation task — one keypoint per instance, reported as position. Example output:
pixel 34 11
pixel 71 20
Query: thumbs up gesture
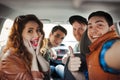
pixel 74 62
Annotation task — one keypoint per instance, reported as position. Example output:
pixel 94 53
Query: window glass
pixel 69 40
pixel 5 31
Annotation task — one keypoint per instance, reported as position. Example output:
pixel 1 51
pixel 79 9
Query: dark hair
pixel 77 18
pixel 59 27
pixel 15 40
pixel 84 49
pixel 106 15
pixel 84 43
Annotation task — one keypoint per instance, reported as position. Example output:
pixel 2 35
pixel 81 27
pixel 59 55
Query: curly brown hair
pixel 15 40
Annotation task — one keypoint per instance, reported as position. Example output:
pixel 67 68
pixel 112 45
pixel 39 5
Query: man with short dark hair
pixel 103 61
pixel 56 36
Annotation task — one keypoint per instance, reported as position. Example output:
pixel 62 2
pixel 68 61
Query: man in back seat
pixel 79 25
pixel 56 36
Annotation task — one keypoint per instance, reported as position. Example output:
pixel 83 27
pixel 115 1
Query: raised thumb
pixel 71 51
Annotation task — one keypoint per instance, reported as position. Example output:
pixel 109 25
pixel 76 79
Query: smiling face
pixel 97 26
pixel 56 38
pixel 78 30
pixel 32 33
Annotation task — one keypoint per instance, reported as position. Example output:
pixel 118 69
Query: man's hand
pixel 53 54
pixel 74 62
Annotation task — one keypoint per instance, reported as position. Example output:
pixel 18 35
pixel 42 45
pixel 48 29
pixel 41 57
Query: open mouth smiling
pixel 34 42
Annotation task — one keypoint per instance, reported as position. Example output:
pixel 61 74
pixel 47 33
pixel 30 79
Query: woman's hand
pixel 34 52
pixel 30 48
pixel 43 63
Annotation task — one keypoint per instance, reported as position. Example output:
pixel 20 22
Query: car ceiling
pixel 58 10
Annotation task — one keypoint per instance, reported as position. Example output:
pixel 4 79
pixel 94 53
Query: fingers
pixel 39 43
pixel 29 46
pixel 27 43
pixel 40 39
pixel 74 64
pixel 74 68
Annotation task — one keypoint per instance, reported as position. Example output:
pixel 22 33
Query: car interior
pixel 54 12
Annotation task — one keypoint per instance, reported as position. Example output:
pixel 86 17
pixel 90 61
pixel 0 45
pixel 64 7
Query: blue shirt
pixel 105 67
